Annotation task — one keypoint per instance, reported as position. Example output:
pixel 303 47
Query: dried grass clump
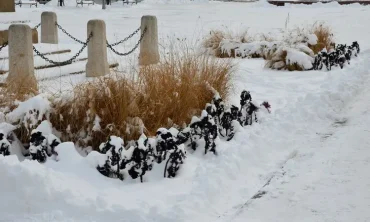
pixel 96 110
pixel 213 42
pixel 177 89
pixel 325 37
pixel 19 88
pixel 215 38
pixel 162 95
pixel 266 37
pixel 278 61
pixel 13 91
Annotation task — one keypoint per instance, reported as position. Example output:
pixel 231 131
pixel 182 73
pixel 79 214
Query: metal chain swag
pixel 132 50
pixel 3 45
pixel 127 38
pixel 37 26
pixel 69 61
pixel 69 35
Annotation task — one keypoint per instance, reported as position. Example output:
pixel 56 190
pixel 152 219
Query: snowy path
pixel 329 181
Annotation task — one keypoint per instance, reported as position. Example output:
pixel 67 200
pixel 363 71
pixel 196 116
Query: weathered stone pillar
pixel 5 33
pixel 49 30
pixel 97 62
pixel 149 53
pixel 21 69
pixel 7 6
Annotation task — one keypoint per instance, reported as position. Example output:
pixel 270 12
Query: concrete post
pixel 21 69
pixel 149 53
pixel 7 6
pixel 49 30
pixel 5 33
pixel 97 62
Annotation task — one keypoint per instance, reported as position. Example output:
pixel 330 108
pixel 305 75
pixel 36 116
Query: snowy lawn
pixel 209 188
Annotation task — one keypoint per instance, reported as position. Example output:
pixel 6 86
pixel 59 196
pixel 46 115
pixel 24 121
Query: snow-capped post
pixel 97 62
pixel 21 68
pixel 49 30
pixel 149 53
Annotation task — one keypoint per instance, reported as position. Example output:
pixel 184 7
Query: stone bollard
pixel 149 53
pixel 4 36
pixel 97 62
pixel 7 6
pixel 21 76
pixel 49 30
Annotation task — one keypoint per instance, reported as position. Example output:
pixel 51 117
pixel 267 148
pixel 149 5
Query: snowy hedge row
pixel 336 57
pixel 135 158
pixel 169 146
pixel 296 56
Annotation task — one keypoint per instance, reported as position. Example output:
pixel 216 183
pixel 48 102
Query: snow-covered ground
pixel 328 180
pixel 215 188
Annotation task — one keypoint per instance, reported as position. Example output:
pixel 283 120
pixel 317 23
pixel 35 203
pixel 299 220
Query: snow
pixel 30 112
pixel 326 181
pixel 312 39
pixel 45 128
pixel 6 128
pixel 300 58
pixel 210 188
pixel 96 126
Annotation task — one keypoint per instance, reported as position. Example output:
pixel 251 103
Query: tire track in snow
pixel 280 173
pixel 261 192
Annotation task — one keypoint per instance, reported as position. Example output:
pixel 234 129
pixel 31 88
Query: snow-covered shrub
pixel 279 55
pixel 4 144
pixel 219 119
pixel 224 44
pixel 339 56
pixel 291 59
pixel 292 50
pixel 258 49
pixel 115 153
pixel 138 157
pixel 43 142
pixel 134 160
pixel 324 36
pixel 91 115
pixel 142 158
pixel 228 119
pixel 28 115
pixel 164 143
pixel 175 159
pixel 247 114
pixel 38 147
pixel 168 149
pixel 204 128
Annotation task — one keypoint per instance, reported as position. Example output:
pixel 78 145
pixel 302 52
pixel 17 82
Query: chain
pixel 3 45
pixel 132 50
pixel 69 61
pixel 37 26
pixel 127 38
pixel 69 35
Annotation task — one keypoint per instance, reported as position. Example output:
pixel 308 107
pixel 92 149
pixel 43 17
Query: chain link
pixel 127 38
pixel 69 61
pixel 3 45
pixel 37 26
pixel 132 50
pixel 69 35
